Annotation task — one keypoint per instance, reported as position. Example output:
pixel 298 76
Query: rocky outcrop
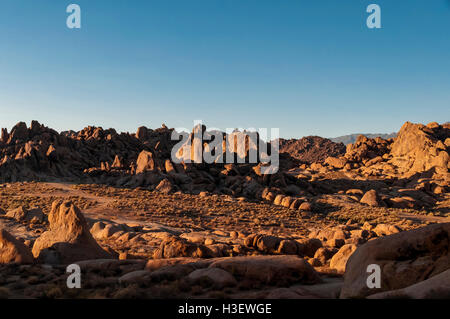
pixel 437 287
pixel 12 250
pixel 68 239
pixel 419 148
pixel 405 259
pixel 365 149
pixel 371 198
pixel 145 162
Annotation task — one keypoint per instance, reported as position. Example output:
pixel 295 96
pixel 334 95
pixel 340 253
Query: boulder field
pixel 414 264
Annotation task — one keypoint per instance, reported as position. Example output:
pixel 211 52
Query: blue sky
pixel 307 67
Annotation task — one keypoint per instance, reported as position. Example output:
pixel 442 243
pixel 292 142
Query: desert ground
pixel 140 226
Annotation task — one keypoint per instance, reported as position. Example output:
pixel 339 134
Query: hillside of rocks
pixel 38 152
pixel 417 149
pixel 418 160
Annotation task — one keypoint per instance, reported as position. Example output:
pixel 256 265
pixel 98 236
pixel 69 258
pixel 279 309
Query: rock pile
pixel 143 159
pixel 417 148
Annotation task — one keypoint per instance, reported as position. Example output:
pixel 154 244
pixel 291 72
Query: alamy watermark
pixel 74 279
pixel 374 19
pixel 237 146
pixel 74 19
pixel 374 279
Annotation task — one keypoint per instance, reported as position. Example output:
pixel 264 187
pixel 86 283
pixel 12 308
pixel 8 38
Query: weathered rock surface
pixel 269 269
pixel 371 198
pixel 366 149
pixel 218 277
pixel 177 247
pixel 21 214
pixel 68 238
pixel 437 287
pixel 419 148
pixel 406 258
pixel 12 250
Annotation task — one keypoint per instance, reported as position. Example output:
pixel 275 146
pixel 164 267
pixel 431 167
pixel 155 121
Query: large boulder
pixel 288 247
pixel 12 250
pixel 371 198
pixel 272 244
pixel 404 258
pixel 179 247
pixel 308 247
pixel 145 162
pixel 267 243
pixel 437 287
pixel 68 239
pixel 336 162
pixel 419 148
pixel 269 269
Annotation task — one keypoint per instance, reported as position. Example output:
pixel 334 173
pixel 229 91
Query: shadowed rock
pixel 405 259
pixel 269 269
pixel 12 250
pixel 437 287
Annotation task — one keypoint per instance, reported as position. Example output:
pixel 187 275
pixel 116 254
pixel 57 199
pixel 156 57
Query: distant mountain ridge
pixel 351 138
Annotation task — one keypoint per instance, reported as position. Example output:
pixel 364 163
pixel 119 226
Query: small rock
pixel 305 206
pixel 371 198
pixel 339 260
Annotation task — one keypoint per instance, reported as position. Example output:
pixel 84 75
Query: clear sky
pixel 306 67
